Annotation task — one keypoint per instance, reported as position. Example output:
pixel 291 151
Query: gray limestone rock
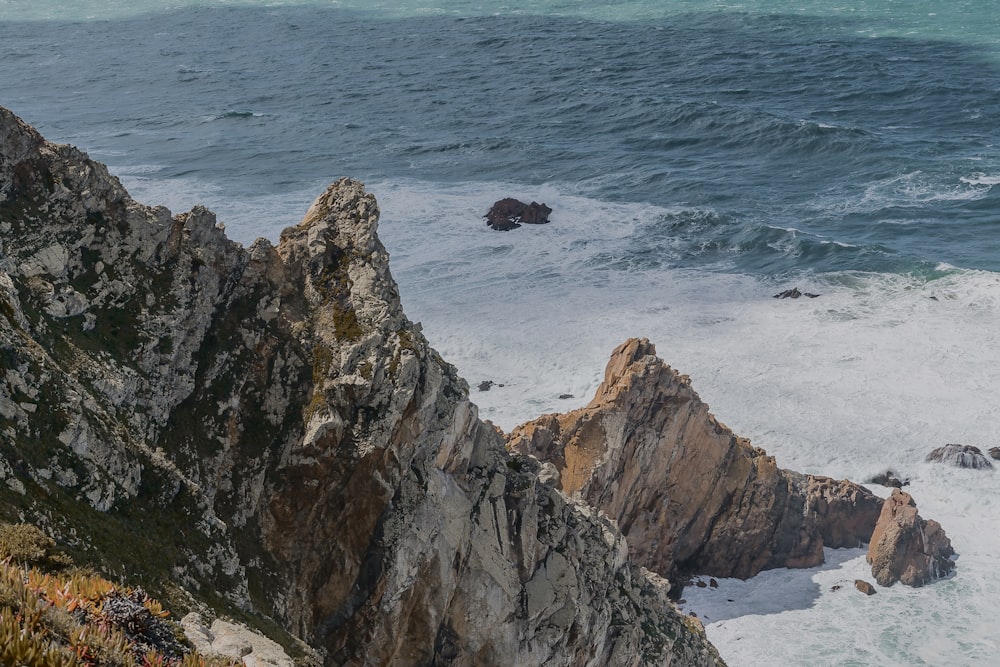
pixel 265 424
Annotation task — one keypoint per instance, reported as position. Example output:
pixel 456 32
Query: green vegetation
pixel 70 617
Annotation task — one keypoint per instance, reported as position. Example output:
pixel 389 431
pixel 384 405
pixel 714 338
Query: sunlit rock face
pixel 264 427
pixel 906 547
pixel 690 496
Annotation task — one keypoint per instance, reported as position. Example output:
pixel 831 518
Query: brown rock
pixel 995 452
pixel 864 587
pixel 906 548
pixel 689 494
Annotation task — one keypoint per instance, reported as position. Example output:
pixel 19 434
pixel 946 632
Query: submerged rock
pixel 794 293
pixel 510 213
pixel 888 478
pixel 905 547
pixel 960 456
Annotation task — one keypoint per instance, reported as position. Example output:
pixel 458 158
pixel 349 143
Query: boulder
pixel 995 452
pixel 907 548
pixel 888 478
pixel 510 213
pixel 960 456
pixel 864 587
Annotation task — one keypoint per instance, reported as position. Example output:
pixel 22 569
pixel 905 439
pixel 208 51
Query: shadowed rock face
pixel 960 456
pixel 690 496
pixel 907 548
pixel 265 425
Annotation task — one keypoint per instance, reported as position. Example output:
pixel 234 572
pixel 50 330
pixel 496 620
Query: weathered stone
pixel 794 293
pixel 270 425
pixel 509 213
pixel 995 452
pixel 231 640
pixel 888 478
pixel 960 456
pixel 864 587
pixel 905 547
pixel 690 495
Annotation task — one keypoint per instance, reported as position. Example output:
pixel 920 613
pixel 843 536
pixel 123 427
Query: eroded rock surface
pixel 960 456
pixel 690 496
pixel 264 424
pixel 906 547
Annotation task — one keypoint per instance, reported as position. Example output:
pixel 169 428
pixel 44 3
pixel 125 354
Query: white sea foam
pixel 246 218
pixel 910 190
pixel 981 179
pixel 873 374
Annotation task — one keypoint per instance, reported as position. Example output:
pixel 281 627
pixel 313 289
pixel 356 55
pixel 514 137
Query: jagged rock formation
pixel 265 425
pixel 960 456
pixel 690 496
pixel 907 548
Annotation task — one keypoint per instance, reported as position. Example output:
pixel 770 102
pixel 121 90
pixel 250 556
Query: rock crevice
pixel 265 427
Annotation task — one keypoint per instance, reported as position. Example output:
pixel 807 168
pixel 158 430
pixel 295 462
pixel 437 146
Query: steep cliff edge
pixel 265 426
pixel 688 494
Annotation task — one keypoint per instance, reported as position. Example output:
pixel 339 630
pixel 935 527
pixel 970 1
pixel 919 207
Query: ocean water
pixel 699 156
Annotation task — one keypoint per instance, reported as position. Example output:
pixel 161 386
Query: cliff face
pixel 265 424
pixel 689 495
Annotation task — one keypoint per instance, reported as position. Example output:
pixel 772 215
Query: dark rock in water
pixel 864 587
pixel 511 213
pixel 888 478
pixel 701 584
pixel 485 385
pixel 995 452
pixel 713 583
pixel 794 293
pixel 836 587
pixel 907 548
pixel 960 456
pixel 565 395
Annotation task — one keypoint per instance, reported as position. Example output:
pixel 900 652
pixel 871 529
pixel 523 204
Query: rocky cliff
pixel 263 428
pixel 689 495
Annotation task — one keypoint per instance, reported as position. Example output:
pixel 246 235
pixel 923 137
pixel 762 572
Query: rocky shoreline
pixel 263 430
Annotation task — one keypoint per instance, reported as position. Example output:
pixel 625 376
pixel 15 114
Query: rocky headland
pixel 690 496
pixel 261 432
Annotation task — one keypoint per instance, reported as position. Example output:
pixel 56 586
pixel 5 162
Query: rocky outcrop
pixel 263 426
pixel 960 456
pixel 507 214
pixel 907 548
pixel 234 641
pixel 888 478
pixel 690 496
pixel 794 293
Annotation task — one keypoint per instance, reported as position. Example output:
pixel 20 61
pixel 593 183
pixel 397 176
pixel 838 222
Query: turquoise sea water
pixel 699 157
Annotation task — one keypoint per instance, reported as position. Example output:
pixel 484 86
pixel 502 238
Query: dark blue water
pixel 778 144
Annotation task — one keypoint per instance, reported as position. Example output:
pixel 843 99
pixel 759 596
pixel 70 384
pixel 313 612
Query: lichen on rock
pixel 265 428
